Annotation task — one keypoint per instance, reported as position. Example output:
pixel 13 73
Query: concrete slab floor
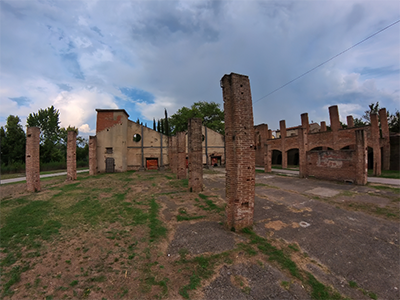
pixel 350 232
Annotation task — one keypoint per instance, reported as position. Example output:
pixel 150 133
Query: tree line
pixel 53 142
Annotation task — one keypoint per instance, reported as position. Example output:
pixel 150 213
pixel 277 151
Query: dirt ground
pixel 346 236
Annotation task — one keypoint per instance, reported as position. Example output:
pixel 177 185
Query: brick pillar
pixel 282 126
pixel 267 158
pixel 71 156
pixel 32 159
pixel 302 138
pixel 92 155
pixel 181 157
pixel 240 152
pixel 195 150
pixel 350 122
pixel 269 134
pixel 385 142
pixel 335 125
pixel 323 126
pixel 375 136
pixel 362 157
pixel 304 122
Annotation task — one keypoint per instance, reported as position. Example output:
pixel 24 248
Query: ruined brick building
pixel 286 150
pixel 121 144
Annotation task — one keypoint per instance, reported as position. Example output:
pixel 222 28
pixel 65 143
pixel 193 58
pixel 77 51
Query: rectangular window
pixel 109 150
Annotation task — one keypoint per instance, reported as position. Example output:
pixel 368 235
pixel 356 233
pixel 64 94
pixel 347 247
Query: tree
pixel 166 125
pixel 210 113
pixel 154 124
pixel 13 141
pixel 50 134
pixel 48 122
pixel 394 122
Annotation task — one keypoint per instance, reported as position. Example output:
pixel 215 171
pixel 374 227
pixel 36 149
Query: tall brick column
pixel 32 159
pixel 375 136
pixel 71 156
pixel 323 126
pixel 350 122
pixel 240 152
pixel 385 139
pixel 362 157
pixel 335 125
pixel 181 157
pixel 282 127
pixel 267 158
pixel 302 138
pixel 304 122
pixel 195 151
pixel 92 155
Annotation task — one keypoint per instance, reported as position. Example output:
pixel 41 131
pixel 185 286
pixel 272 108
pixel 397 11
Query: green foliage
pixel 12 141
pixel 373 108
pixel 209 112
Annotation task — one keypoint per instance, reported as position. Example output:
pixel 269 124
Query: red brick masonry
pixel 195 155
pixel 240 153
pixel 32 159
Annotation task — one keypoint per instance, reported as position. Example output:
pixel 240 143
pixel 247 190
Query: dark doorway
pixel 110 166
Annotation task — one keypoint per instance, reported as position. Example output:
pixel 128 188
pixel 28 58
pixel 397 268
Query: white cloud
pixel 179 50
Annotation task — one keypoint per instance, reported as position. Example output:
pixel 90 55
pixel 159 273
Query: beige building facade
pixel 123 145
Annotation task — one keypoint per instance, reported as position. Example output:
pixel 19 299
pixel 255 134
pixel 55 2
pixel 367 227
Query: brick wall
pixel 340 165
pixel 106 119
pixel 32 159
pixel 71 156
pixel 336 139
pixel 240 153
pixel 195 152
pixel 181 155
pixel 92 155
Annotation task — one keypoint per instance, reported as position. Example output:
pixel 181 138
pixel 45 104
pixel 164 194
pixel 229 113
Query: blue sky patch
pixel 21 101
pixel 138 95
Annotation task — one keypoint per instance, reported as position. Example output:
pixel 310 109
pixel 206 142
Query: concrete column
pixel 206 146
pixel 170 152
pixel 267 158
pixel 161 167
pixel 375 136
pixel 32 159
pixel 240 152
pixel 71 156
pixel 181 157
pixel 195 150
pixel 385 141
pixel 142 167
pixel 350 122
pixel 282 126
pixel 174 160
pixel 92 155
pixel 361 157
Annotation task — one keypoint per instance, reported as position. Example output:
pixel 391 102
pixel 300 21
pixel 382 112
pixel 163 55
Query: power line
pixel 333 57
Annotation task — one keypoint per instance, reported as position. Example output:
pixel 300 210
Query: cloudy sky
pixel 144 56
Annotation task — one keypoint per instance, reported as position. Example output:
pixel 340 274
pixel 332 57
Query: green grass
pixel 387 188
pixel 386 174
pixel 210 205
pixel 157 229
